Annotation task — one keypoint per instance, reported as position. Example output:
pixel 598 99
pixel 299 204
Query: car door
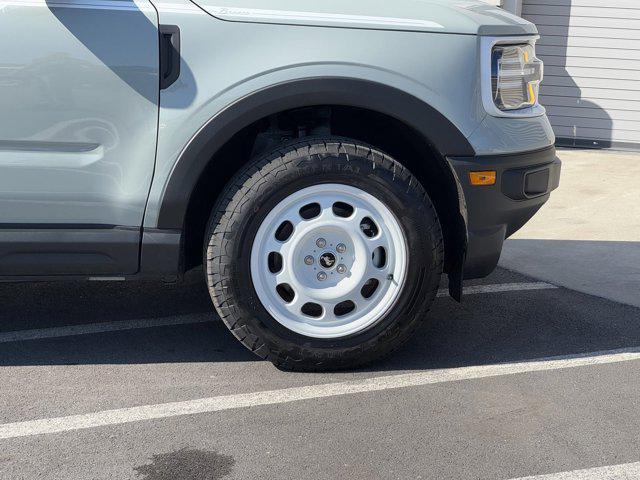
pixel 79 92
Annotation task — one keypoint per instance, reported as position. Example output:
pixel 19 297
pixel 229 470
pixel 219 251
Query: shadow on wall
pixel 577 122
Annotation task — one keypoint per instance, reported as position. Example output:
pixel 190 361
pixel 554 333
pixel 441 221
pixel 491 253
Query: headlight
pixel 516 74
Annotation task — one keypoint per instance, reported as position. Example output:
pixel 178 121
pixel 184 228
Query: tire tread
pixel 232 204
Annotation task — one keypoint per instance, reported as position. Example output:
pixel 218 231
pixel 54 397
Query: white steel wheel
pixel 323 254
pixel 329 261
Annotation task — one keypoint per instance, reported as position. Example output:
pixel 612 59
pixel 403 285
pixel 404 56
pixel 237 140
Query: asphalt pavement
pixel 473 395
pixel 534 376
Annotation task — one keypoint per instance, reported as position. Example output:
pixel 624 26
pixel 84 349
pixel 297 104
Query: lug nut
pixel 322 276
pixel 321 243
pixel 341 248
pixel 341 269
pixel 308 260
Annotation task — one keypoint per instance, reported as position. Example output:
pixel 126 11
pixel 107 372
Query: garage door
pixel 591 50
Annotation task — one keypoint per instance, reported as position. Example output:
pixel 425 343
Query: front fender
pixel 442 134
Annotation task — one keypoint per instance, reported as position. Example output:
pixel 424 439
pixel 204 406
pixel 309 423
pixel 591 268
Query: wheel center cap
pixel 327 260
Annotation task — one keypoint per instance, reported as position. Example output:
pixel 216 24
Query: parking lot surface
pixel 142 381
pixel 535 375
pixel 587 237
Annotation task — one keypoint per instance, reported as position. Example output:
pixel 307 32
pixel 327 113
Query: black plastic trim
pixel 161 254
pixel 169 55
pixel 437 129
pixel 517 183
pixel 491 215
pixel 523 159
pixel 68 251
pixel 61 226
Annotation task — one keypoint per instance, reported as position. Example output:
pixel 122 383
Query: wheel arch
pixel 431 134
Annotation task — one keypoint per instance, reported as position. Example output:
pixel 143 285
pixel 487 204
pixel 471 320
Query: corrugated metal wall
pixel 591 51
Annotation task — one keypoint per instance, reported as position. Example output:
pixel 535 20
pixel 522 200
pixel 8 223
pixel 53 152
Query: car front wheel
pixel 324 254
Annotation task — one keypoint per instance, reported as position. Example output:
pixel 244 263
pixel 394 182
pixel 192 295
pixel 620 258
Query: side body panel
pixel 79 96
pixel 227 64
pixel 500 136
pixel 224 62
pixel 471 17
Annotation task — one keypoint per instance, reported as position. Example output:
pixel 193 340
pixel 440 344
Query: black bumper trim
pixel 496 212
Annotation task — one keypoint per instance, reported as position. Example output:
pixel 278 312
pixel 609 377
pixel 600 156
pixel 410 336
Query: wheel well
pixel 382 131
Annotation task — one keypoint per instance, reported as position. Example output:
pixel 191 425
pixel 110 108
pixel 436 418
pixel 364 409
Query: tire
pixel 243 291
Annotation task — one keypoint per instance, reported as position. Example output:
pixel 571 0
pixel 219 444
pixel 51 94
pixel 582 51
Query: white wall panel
pixel 591 50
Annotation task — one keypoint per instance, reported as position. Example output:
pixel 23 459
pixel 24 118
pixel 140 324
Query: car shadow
pixel 485 329
pixel 607 268
pixel 516 327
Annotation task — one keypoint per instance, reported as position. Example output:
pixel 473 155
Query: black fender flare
pixel 441 133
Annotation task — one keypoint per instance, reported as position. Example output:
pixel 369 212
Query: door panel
pixel 79 99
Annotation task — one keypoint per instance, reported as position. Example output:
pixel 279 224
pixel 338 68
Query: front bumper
pixel 493 213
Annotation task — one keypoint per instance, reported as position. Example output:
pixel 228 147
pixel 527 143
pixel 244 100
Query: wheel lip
pixel 385 302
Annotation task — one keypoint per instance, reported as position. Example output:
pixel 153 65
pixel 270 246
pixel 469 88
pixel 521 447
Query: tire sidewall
pixel 407 202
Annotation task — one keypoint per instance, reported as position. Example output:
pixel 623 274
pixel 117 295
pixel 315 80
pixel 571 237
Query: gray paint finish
pixel 250 57
pixel 87 140
pixel 470 18
pixel 79 111
pixel 592 82
pixel 226 60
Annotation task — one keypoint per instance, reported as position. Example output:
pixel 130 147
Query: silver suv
pixel 326 161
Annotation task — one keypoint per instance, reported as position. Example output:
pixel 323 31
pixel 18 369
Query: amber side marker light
pixel 482 178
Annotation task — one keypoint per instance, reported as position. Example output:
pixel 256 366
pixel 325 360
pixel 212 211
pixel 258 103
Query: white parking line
pixel 118 326
pixel 287 395
pixel 625 471
pixel 502 287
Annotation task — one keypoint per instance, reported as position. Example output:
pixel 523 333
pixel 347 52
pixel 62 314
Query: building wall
pixel 592 69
